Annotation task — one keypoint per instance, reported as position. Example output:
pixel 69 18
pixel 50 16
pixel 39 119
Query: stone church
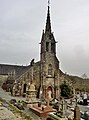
pixel 44 74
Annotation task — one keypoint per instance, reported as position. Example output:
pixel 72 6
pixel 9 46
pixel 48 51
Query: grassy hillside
pixel 79 83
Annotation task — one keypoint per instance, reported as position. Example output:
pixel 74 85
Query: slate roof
pixel 5 69
pixel 19 70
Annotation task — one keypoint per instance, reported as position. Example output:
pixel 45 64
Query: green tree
pixel 66 90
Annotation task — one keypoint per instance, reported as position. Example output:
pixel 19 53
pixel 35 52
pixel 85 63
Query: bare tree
pixel 84 76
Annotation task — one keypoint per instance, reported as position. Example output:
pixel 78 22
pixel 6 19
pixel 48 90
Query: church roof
pixel 5 69
pixel 27 69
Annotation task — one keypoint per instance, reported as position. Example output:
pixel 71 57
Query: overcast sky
pixel 21 25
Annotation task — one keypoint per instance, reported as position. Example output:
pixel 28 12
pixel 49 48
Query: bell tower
pixel 49 62
pixel 48 43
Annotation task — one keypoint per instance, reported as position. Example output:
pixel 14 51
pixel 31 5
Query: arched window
pixel 50 69
pixel 53 47
pixel 47 46
pixel 24 88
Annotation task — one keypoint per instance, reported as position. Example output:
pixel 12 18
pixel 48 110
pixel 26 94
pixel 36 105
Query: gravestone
pixel 76 113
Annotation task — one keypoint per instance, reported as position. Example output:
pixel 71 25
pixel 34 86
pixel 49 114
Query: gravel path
pixel 7 96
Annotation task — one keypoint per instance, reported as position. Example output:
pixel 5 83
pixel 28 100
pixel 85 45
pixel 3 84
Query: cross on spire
pixel 48 2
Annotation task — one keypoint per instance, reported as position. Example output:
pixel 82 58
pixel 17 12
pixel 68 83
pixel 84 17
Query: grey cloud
pixel 21 25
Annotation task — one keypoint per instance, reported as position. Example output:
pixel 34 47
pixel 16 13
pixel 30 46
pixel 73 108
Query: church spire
pixel 48 23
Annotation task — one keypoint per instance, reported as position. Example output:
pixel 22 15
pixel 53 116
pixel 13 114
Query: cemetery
pixel 40 90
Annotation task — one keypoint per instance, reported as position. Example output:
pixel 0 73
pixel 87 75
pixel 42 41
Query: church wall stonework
pixel 31 75
pixel 3 78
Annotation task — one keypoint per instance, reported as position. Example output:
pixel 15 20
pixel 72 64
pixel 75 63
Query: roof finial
pixel 48 2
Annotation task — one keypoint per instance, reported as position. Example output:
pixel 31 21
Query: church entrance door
pixel 49 92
